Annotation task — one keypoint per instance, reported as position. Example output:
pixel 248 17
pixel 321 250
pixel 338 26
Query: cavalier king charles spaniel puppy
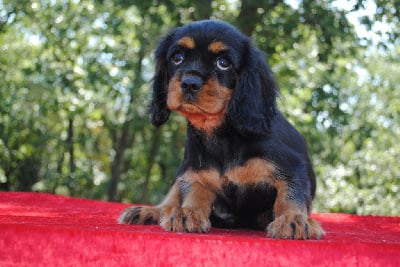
pixel 244 164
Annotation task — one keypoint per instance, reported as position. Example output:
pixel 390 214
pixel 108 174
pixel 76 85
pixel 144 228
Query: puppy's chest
pixel 248 189
pixel 253 172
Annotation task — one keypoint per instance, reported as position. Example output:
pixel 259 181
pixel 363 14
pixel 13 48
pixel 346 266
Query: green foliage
pixel 75 83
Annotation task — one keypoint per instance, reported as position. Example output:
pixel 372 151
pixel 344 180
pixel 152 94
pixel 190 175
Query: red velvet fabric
pixel 50 230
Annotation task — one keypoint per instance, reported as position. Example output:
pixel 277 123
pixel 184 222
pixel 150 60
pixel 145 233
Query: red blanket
pixel 50 230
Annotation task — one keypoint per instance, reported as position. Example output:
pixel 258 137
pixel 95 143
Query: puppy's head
pixel 211 74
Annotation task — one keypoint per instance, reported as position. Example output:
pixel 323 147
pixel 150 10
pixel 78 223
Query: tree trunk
pixel 122 144
pixel 203 10
pixel 249 16
pixel 155 144
pixel 70 145
pixel 125 139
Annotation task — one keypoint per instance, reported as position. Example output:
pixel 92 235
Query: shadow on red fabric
pixel 50 230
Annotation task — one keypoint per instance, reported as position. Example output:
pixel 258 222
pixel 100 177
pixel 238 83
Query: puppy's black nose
pixel 191 85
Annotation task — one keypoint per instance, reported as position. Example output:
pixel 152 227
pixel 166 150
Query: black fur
pixel 159 112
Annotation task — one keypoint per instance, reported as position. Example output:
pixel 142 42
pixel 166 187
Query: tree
pixel 364 176
pixel 387 14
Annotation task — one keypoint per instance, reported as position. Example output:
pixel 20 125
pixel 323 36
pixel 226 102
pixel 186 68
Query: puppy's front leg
pixel 149 214
pixel 193 215
pixel 291 214
pixel 186 208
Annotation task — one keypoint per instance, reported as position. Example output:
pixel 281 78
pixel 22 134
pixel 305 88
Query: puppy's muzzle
pixel 190 86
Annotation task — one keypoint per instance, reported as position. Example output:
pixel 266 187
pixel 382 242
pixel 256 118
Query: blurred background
pixel 75 83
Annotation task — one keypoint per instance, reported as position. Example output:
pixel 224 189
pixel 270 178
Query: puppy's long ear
pixel 159 112
pixel 253 104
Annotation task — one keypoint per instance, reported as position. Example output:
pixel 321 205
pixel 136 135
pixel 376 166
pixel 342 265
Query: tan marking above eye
pixel 217 47
pixel 187 42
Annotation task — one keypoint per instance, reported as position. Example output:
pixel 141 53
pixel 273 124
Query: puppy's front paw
pixel 178 219
pixel 295 226
pixel 140 215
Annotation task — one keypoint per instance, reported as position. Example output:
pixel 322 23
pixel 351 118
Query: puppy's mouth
pixel 201 119
pixel 194 111
pixel 206 109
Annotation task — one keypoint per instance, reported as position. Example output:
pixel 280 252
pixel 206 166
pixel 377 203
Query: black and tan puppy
pixel 244 164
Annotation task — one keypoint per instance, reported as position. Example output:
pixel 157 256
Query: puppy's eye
pixel 223 63
pixel 177 58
